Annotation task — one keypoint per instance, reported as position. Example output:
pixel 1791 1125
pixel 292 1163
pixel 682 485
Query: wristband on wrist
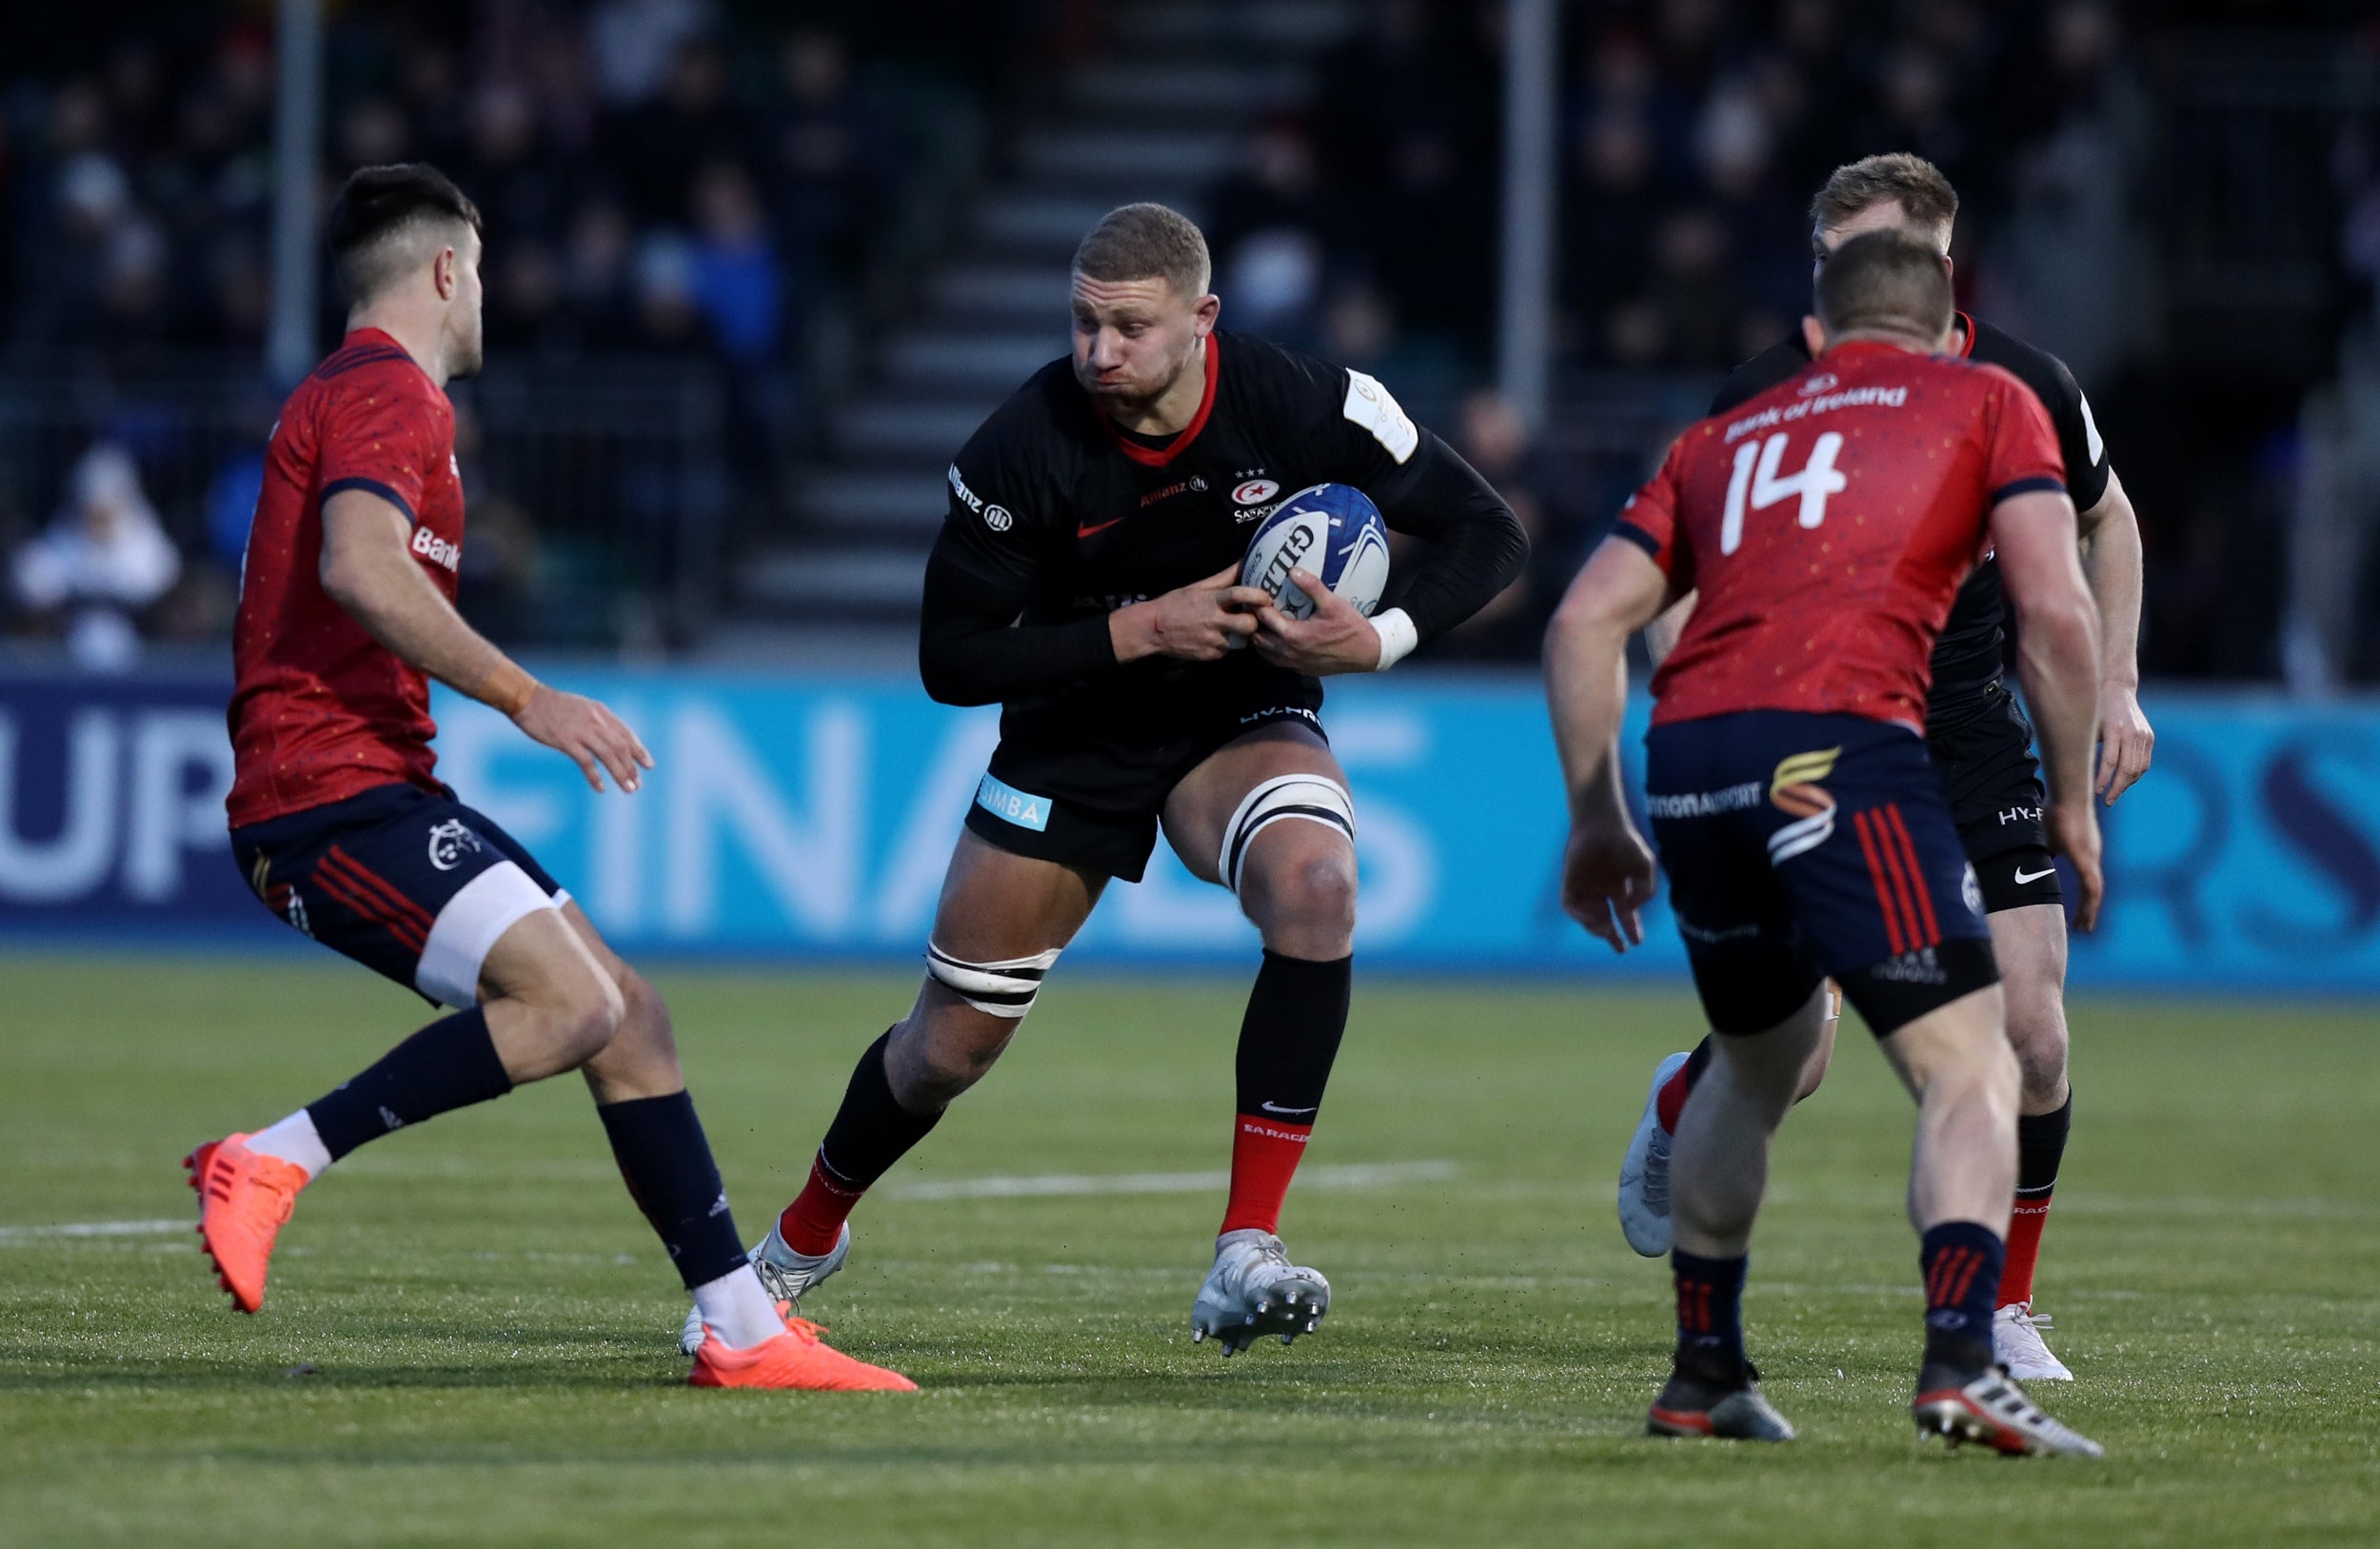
pixel 1398 637
pixel 505 688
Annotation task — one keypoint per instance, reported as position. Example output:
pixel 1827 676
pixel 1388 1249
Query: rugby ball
pixel 1330 530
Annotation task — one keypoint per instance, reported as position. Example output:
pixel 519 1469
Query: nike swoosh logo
pixel 1098 527
pixel 1269 1108
pixel 2023 876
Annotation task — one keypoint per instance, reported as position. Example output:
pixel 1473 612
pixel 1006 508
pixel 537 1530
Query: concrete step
pixel 899 428
pixel 1128 160
pixel 892 501
pixel 1040 223
pixel 1234 27
pixel 947 365
pixel 1216 91
pixel 1027 295
pixel 833 581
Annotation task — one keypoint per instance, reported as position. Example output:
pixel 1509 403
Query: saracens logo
pixel 1254 490
pixel 448 841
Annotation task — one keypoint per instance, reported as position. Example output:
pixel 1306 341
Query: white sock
pixel 295 1140
pixel 737 1308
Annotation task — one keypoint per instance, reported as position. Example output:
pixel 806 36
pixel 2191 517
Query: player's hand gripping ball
pixel 1332 531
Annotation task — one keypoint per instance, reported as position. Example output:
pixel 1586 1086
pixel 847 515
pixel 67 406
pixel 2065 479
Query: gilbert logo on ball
pixel 1332 531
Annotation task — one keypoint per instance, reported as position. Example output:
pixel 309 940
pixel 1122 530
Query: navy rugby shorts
pixel 410 882
pixel 1800 847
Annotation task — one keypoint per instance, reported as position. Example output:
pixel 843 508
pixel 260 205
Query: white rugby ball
pixel 1332 531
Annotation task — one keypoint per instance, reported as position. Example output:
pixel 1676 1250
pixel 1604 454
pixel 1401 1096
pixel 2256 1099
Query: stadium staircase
pixel 1157 111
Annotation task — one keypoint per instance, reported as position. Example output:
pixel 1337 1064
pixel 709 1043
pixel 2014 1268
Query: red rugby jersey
pixel 320 711
pixel 1826 525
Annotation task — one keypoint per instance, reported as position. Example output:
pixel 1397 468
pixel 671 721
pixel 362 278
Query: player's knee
pixel 586 1016
pixel 643 1016
pixel 1305 900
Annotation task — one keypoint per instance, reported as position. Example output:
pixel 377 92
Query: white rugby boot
pixel 1993 1410
pixel 784 1273
pixel 2016 1344
pixel 1644 1172
pixel 1254 1290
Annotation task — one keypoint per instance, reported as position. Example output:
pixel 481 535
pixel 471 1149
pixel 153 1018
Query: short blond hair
pixel 1915 184
pixel 1146 242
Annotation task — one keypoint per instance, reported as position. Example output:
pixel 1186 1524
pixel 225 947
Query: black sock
pixel 1296 1014
pixel 1698 1061
pixel 451 1064
pixel 1709 1317
pixel 2040 1146
pixel 667 1162
pixel 871 1130
pixel 1961 1261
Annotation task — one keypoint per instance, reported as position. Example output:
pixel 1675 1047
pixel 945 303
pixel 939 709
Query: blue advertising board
pixel 810 819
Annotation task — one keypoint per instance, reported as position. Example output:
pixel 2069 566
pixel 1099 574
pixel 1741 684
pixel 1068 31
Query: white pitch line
pixel 1362 1175
pixel 96 1228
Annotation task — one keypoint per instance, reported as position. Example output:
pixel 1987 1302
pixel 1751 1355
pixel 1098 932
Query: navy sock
pixel 1697 1060
pixel 1962 1262
pixel 871 1130
pixel 667 1162
pixel 451 1064
pixel 1710 1316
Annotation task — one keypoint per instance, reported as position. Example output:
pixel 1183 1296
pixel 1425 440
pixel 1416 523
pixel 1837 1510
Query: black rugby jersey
pixel 1057 517
pixel 1967 658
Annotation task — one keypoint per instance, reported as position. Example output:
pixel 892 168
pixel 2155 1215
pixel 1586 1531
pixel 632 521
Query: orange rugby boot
pixel 796 1359
pixel 244 1196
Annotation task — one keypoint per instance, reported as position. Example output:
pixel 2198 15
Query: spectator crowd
pixel 699 181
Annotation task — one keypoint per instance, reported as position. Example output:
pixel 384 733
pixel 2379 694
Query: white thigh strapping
pixel 997 989
pixel 473 919
pixel 1314 798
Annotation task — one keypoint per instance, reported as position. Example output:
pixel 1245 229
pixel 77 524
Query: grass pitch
pixel 469 1335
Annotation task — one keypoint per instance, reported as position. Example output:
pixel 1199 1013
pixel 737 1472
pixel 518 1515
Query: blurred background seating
pixel 755 271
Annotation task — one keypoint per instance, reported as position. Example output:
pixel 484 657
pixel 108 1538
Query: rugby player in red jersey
pixel 1982 745
pixel 338 819
pixel 1826 525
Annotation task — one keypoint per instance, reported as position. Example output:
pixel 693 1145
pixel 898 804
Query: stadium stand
pixel 756 279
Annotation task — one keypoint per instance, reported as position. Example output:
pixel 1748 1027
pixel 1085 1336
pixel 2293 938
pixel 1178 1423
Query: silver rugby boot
pixel 1254 1290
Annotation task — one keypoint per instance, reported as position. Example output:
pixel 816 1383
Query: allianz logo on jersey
pixel 436 549
pixel 995 517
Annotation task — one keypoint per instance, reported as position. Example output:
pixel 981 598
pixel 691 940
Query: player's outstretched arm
pixel 1607 871
pixel 2112 566
pixel 369 569
pixel 2058 634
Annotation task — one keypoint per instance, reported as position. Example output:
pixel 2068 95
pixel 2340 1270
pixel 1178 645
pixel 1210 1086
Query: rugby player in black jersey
pixel 1982 745
pixel 1086 579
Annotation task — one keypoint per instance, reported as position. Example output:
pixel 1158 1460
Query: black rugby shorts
pixel 1984 747
pixel 1082 796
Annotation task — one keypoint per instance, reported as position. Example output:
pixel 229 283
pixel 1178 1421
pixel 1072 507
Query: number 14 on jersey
pixel 1817 479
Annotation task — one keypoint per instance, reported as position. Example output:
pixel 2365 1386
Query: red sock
pixel 2024 1247
pixel 1264 1155
pixel 1673 1099
pixel 814 1222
